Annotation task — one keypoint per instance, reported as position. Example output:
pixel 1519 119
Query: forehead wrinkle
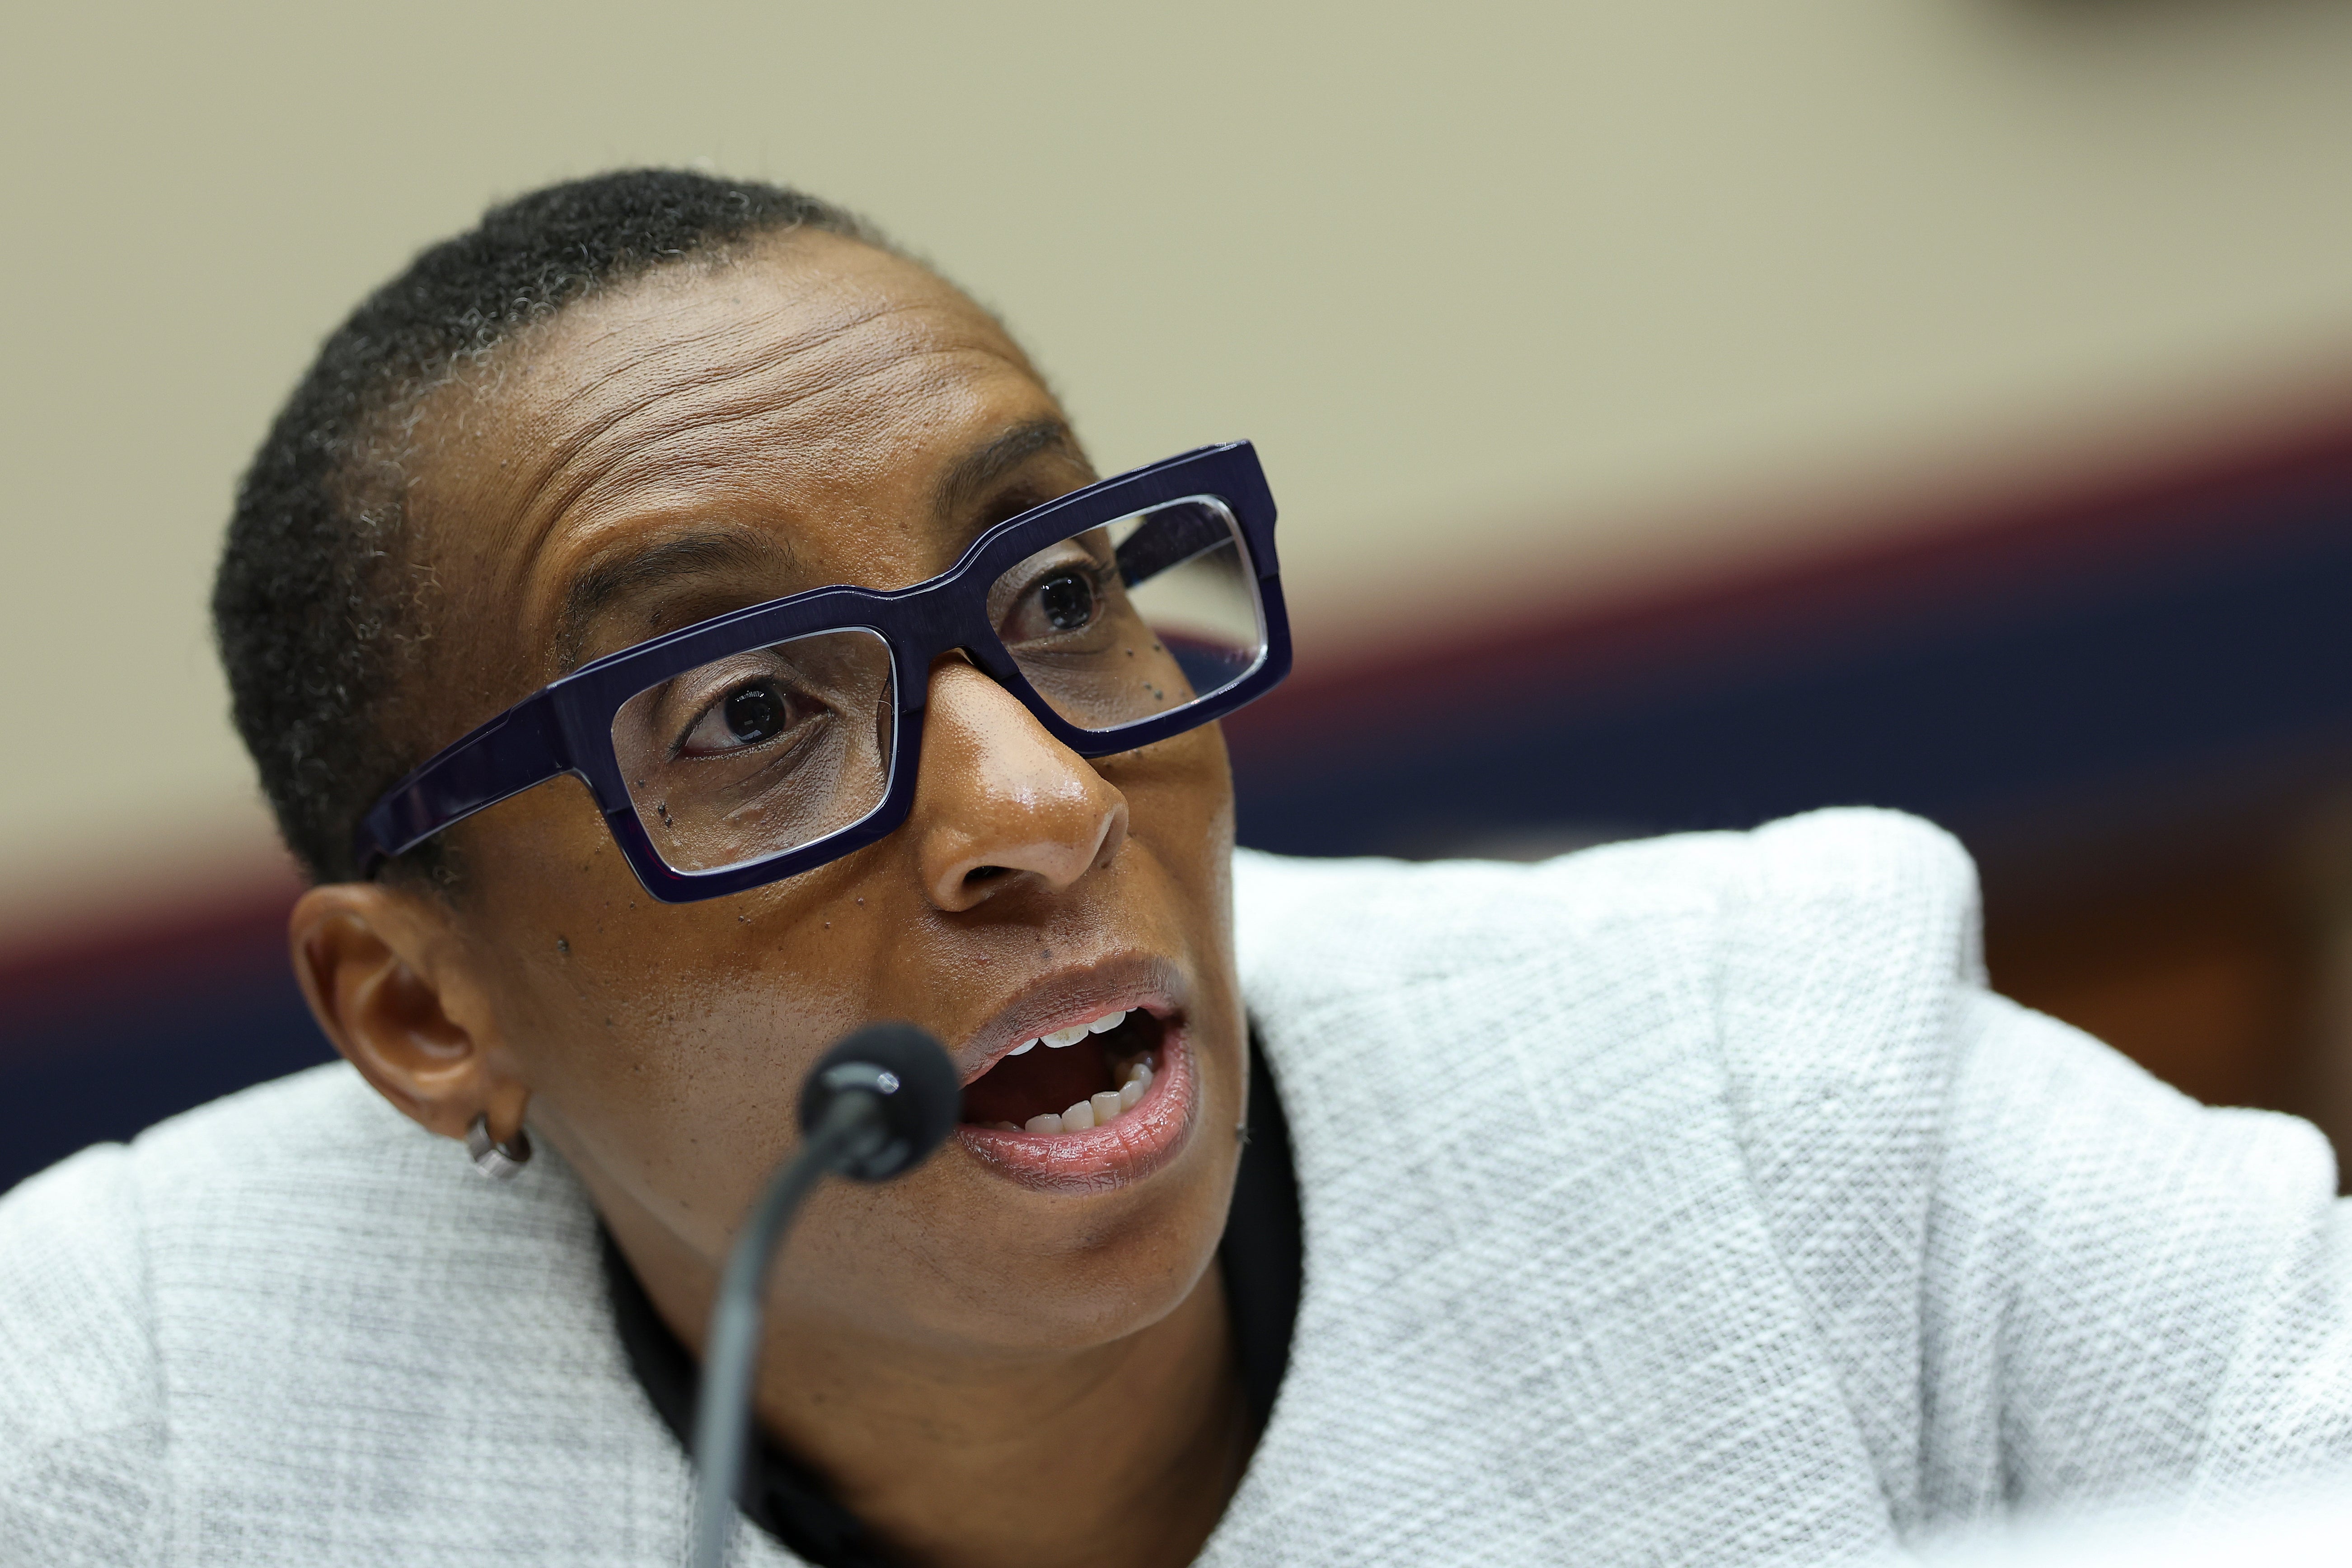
pixel 658 465
pixel 587 417
pixel 673 311
pixel 671 459
pixel 574 467
pixel 720 332
pixel 698 440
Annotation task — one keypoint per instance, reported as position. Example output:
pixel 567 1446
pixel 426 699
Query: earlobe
pixel 372 962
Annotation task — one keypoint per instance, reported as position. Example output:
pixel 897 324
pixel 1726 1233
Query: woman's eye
pixel 745 717
pixel 1066 600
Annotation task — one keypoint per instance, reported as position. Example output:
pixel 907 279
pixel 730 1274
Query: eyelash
pixel 712 705
pixel 1097 576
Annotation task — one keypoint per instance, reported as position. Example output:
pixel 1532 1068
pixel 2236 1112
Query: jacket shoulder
pixel 1868 892
pixel 81 1408
pixel 1850 960
pixel 1802 982
pixel 316 1174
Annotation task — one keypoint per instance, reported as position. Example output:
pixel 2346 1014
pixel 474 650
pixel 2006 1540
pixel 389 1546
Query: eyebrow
pixel 627 575
pixel 967 482
pixel 716 549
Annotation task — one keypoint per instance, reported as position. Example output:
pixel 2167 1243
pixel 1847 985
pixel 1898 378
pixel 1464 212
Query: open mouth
pixel 1073 1080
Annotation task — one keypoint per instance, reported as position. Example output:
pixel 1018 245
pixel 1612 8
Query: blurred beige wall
pixel 1552 299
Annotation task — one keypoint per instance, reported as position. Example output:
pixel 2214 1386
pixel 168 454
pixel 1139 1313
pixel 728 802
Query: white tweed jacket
pixel 1686 1201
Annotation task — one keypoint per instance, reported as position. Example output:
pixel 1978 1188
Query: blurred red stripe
pixel 193 945
pixel 1965 563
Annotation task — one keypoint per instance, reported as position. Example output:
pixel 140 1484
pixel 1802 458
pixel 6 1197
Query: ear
pixel 380 969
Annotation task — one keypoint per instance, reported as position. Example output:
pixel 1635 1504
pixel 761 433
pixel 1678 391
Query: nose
pixel 999 803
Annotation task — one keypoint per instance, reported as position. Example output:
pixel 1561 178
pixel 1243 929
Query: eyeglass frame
pixel 566 726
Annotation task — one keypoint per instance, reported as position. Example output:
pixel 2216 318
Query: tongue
pixel 1045 1079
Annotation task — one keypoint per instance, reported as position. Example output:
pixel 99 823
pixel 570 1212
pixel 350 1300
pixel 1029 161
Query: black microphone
pixel 874 1107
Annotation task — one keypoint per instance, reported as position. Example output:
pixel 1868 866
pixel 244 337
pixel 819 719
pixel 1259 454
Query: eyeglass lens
pixel 762 751
pixel 1136 619
pixel 773 748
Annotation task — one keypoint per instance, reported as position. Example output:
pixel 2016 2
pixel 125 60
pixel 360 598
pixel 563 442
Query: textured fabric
pixel 1687 1201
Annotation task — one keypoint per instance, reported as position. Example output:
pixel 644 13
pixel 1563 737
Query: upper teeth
pixel 1073 1035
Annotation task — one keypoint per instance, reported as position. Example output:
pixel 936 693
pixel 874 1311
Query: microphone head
pixel 914 1086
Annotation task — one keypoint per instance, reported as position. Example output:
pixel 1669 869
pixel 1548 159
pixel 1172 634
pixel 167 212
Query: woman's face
pixel 705 439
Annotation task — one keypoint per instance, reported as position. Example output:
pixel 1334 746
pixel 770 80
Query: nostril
pixel 983 874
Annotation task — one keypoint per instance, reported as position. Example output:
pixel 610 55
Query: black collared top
pixel 1261 1256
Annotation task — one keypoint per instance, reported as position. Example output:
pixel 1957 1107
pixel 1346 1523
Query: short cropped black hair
pixel 317 607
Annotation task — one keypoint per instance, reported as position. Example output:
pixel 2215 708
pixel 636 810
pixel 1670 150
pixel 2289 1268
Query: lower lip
pixel 1133 1145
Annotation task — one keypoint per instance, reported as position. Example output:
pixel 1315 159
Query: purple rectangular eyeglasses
pixel 771 740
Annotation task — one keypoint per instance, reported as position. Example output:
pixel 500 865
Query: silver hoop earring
pixel 499 1161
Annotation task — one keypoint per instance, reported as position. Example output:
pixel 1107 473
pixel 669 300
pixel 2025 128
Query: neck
pixel 1124 1453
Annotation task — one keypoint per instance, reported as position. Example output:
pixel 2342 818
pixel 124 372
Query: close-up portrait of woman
pixel 696 664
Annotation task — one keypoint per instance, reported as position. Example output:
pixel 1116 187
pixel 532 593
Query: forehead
pixel 812 392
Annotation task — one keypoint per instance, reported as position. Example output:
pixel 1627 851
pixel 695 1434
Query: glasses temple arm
pixel 1169 539
pixel 522 747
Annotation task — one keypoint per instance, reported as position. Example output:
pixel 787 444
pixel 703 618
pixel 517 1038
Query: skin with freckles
pixel 986 1371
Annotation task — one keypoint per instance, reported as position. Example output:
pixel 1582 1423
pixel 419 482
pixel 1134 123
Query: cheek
pixel 1180 794
pixel 678 1085
pixel 664 1043
pixel 1180 798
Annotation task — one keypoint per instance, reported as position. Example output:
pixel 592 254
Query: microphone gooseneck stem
pixel 851 1126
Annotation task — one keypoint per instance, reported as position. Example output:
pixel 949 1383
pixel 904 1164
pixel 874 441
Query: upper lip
pixel 1078 995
